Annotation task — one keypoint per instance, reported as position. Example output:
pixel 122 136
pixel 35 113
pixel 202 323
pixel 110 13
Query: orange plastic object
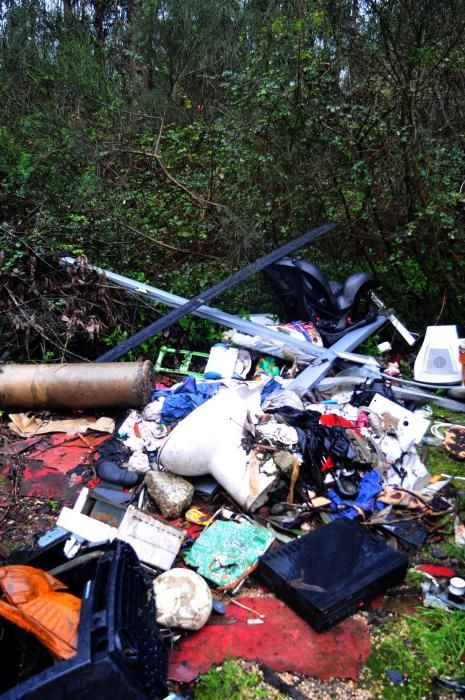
pixel 39 604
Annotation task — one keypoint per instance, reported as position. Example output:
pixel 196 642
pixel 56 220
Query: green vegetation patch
pixel 230 681
pixel 439 461
pixel 430 644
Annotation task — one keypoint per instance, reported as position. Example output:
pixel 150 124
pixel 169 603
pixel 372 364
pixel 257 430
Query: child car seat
pixel 306 294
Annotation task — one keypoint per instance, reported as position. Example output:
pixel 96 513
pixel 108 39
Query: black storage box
pixel 121 653
pixel 325 575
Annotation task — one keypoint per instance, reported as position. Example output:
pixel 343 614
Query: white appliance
pixel 438 359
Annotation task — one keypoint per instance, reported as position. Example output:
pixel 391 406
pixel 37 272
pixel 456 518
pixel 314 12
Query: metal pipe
pixel 76 385
pixel 209 313
pixel 324 357
pixel 157 326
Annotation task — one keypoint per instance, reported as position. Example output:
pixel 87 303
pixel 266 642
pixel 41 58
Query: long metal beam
pixel 312 374
pixel 208 313
pixel 324 358
pixel 217 289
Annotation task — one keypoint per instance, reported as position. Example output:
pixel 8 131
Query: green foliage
pixel 229 681
pixel 370 346
pixel 201 335
pixel 148 349
pixel 430 643
pixel 414 577
pixel 183 142
pixel 440 461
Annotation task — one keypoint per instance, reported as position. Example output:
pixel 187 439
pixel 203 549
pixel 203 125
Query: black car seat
pixel 306 294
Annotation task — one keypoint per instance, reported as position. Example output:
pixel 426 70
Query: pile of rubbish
pixel 200 482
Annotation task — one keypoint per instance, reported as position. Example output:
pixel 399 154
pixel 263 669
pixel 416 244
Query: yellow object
pixel 197 516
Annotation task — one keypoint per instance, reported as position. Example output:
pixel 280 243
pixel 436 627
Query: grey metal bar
pixel 232 281
pixel 324 357
pixel 409 394
pixel 209 313
pixel 312 374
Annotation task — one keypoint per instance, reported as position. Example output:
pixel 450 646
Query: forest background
pixel 175 141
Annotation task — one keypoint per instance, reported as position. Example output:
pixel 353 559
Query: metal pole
pixel 190 306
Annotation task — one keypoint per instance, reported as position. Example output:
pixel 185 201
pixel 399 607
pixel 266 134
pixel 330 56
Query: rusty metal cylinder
pixel 76 385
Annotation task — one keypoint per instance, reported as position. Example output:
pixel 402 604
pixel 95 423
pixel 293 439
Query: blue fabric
pixel 181 401
pixel 370 486
pixel 270 388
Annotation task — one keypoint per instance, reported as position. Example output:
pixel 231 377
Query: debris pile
pixel 246 474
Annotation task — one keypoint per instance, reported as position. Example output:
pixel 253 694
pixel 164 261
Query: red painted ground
pixel 46 470
pixel 62 452
pixel 284 642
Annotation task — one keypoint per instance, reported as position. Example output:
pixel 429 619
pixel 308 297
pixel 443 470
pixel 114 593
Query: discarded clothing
pixel 115 474
pixel 301 330
pixel 409 472
pixel 271 387
pixel 153 409
pixel 140 434
pixel 113 450
pixel 139 462
pixel 282 397
pixel 183 399
pixel 363 394
pixel 278 433
pixel 152 434
pixel 370 486
pixel 400 497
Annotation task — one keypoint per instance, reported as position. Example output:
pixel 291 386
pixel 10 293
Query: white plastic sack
pixel 208 441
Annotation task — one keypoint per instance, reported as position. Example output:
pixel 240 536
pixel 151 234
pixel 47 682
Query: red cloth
pixel 436 570
pixel 333 420
pixel 283 641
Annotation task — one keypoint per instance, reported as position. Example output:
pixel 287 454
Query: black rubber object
pixel 306 294
pixel 112 472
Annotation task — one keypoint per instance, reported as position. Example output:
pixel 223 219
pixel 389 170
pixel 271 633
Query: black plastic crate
pixel 325 575
pixel 121 653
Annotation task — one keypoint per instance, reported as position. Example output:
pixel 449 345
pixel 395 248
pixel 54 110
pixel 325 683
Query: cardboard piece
pixel 25 424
